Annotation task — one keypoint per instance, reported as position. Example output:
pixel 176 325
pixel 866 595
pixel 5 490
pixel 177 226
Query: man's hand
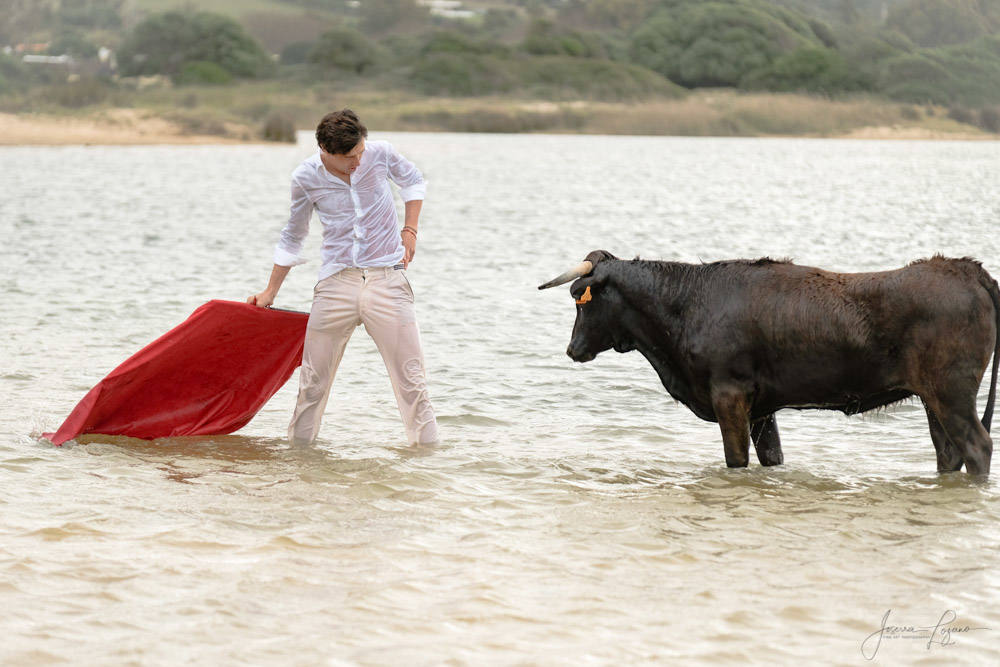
pixel 409 230
pixel 264 299
pixel 409 247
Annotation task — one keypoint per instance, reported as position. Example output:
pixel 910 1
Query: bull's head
pixel 597 308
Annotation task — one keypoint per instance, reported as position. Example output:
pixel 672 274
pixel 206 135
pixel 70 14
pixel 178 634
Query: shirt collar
pixel 333 178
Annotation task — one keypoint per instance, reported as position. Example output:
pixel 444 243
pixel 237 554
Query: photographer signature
pixel 943 633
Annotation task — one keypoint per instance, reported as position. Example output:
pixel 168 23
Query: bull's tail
pixel 990 284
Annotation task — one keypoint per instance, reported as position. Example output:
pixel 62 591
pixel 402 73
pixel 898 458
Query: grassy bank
pixel 240 113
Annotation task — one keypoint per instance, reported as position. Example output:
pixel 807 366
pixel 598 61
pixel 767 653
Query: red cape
pixel 206 376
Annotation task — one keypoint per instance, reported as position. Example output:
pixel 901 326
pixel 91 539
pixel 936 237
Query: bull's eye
pixel 585 297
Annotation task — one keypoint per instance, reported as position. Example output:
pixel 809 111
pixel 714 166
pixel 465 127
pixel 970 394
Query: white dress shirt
pixel 360 226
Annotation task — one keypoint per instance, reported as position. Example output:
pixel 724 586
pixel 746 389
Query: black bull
pixel 735 341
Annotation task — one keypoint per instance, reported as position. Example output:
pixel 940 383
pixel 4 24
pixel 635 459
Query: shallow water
pixel 572 513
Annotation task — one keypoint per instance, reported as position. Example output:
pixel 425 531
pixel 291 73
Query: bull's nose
pixel 577 355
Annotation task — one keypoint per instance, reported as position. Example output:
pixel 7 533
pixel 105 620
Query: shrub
pixel 815 70
pixel 495 120
pixel 962 115
pixel 279 127
pixel 451 41
pixel 717 43
pixel 941 22
pixel 571 78
pixel 13 75
pixel 344 49
pixel 544 39
pixel 195 123
pixel 76 94
pixel 917 92
pixel 202 72
pixel 989 119
pixel 963 75
pixel 454 74
pixel 296 53
pixel 73 43
pixel 164 43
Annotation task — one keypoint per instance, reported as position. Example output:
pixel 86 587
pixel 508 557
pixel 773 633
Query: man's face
pixel 347 162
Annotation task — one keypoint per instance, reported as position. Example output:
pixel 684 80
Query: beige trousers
pixel 382 300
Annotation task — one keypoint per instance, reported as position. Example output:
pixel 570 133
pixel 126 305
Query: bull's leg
pixel 733 415
pixel 766 441
pixel 956 412
pixel 971 439
pixel 948 457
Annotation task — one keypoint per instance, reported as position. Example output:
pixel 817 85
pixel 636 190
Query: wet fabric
pixel 382 300
pixel 207 376
pixel 359 221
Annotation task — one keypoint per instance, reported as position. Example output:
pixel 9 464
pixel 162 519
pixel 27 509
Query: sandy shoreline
pixel 122 127
pixel 915 133
pixel 117 127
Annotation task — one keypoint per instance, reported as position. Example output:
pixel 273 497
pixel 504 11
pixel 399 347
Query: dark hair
pixel 340 131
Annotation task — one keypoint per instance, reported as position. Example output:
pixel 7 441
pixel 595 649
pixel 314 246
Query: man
pixel 362 279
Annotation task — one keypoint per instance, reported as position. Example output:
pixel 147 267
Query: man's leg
pixel 390 320
pixel 332 320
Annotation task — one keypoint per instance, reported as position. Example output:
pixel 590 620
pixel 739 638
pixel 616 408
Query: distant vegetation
pixel 192 47
pixel 916 52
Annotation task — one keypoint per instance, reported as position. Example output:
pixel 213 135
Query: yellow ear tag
pixel 585 297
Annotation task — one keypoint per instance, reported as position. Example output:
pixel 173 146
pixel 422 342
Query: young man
pixel 362 279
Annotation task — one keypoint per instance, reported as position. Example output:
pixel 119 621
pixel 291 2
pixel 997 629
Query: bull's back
pixel 819 338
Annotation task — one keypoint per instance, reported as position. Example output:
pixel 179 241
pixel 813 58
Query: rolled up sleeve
pixel 406 175
pixel 288 252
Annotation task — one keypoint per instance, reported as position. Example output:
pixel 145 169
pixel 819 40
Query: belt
pixel 374 270
pixel 397 267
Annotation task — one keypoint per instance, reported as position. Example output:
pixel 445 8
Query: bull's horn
pixel 582 269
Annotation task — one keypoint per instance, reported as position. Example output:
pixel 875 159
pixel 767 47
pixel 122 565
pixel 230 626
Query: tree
pixel 73 43
pixel 815 70
pixel 164 43
pixel 717 43
pixel 344 49
pixel 943 22
pixel 545 39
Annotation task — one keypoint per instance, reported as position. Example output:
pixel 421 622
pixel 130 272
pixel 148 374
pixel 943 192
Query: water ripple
pixel 571 514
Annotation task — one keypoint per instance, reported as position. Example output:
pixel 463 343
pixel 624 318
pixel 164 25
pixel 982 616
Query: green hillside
pixel 916 52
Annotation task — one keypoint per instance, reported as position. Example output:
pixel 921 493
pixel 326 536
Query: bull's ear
pixel 589 285
pixel 599 276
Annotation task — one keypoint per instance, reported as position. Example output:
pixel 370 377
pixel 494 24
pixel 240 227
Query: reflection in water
pixel 572 513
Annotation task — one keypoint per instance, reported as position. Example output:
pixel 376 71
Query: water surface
pixel 572 513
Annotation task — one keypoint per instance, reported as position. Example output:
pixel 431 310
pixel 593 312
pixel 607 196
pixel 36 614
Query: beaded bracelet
pixel 411 230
